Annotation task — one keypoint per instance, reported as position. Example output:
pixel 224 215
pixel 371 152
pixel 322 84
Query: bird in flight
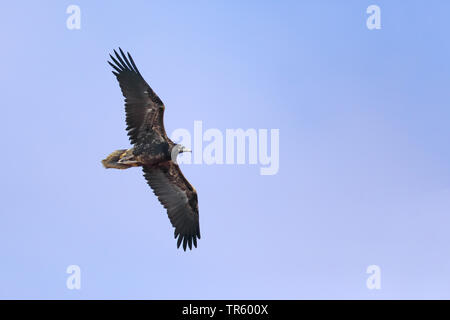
pixel 154 151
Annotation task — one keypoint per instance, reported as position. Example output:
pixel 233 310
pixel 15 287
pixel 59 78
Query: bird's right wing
pixel 179 197
pixel 144 109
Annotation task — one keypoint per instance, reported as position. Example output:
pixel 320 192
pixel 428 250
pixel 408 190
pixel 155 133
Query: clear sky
pixel 364 174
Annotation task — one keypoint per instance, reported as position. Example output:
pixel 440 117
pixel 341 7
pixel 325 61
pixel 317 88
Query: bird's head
pixel 177 149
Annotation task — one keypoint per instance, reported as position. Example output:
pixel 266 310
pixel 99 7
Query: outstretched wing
pixel 178 196
pixel 144 109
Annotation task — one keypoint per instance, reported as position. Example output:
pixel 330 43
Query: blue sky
pixel 364 174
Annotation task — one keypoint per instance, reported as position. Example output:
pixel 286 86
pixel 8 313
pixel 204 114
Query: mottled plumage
pixel 153 150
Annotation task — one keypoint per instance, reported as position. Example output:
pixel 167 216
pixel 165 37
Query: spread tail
pixel 115 160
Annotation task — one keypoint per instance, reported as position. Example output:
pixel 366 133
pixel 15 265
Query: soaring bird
pixel 154 151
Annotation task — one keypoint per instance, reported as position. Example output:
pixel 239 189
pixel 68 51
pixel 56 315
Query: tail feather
pixel 112 160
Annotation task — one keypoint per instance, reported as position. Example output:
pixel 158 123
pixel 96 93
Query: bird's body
pixel 154 151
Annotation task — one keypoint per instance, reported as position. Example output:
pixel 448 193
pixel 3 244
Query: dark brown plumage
pixel 153 151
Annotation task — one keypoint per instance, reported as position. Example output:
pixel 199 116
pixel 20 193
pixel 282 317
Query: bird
pixel 154 151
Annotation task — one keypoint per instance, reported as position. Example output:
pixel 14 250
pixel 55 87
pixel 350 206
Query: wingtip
pixel 195 241
pixel 184 243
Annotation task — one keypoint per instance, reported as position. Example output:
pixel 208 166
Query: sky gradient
pixel 364 175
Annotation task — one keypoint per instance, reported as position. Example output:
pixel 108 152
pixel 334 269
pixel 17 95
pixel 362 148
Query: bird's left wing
pixel 144 109
pixel 179 197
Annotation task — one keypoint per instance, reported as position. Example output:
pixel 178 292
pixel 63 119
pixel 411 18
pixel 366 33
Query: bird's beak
pixel 187 150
